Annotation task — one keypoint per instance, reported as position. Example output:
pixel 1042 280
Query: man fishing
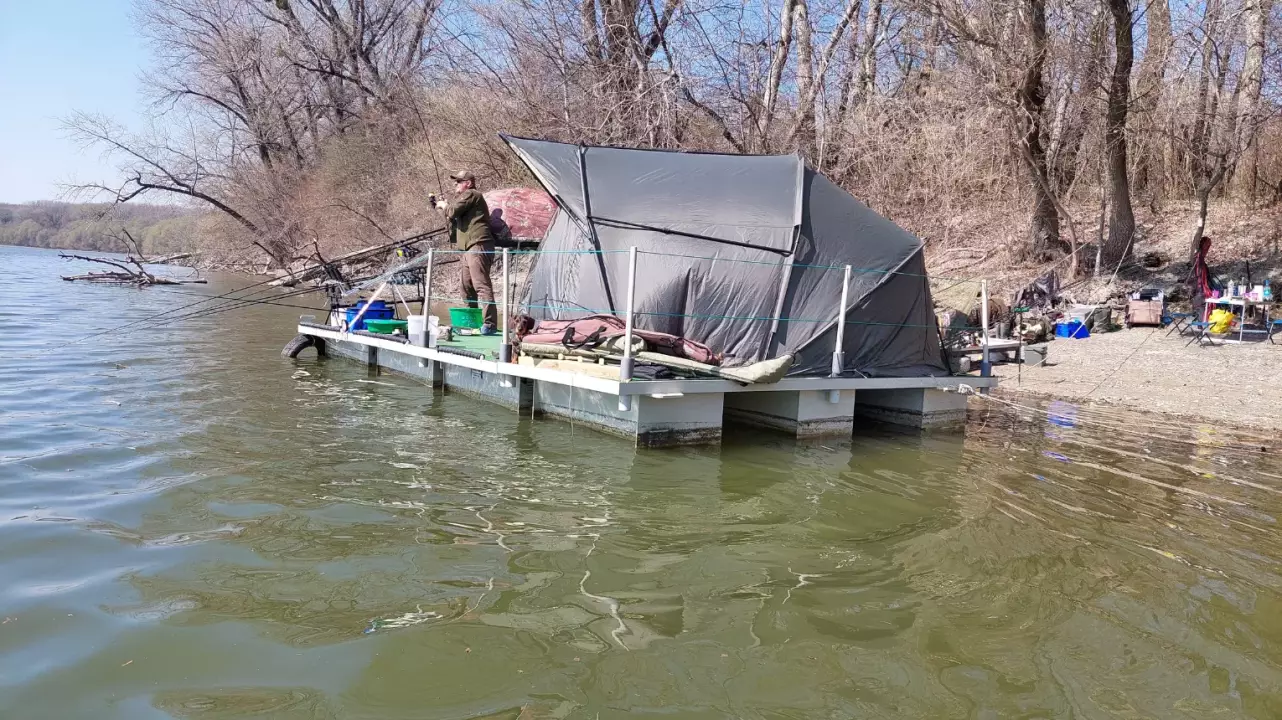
pixel 469 219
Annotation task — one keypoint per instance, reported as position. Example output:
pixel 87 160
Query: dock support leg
pixel 927 409
pixel 801 413
pixel 650 421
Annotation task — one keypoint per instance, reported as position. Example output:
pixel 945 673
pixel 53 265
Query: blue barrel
pixel 378 310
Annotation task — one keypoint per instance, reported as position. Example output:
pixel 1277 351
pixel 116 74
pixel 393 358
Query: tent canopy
pixel 744 253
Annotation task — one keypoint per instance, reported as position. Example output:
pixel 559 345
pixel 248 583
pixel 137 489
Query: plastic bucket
pixel 384 327
pixel 466 317
pixel 378 310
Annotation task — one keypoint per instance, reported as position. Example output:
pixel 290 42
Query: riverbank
pixel 1233 385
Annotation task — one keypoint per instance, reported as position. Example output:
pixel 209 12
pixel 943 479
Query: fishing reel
pixel 413 276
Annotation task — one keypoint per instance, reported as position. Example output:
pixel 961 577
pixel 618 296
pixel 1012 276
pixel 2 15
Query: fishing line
pixel 167 312
pixel 245 302
pixel 251 301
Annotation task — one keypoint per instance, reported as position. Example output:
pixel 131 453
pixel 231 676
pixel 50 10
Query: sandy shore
pixel 1144 369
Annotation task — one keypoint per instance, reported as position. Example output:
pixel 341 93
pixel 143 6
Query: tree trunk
pixel 775 78
pixel 847 93
pixel 1045 240
pixel 1257 18
pixel 806 90
pixel 1148 89
pixel 1121 225
pixel 868 61
pixel 1203 203
pixel 810 77
pixel 588 30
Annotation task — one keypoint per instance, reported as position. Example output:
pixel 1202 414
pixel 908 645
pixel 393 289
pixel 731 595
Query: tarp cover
pixel 743 253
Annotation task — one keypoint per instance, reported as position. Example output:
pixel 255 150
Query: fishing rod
pixel 248 301
pixel 411 240
pixel 244 302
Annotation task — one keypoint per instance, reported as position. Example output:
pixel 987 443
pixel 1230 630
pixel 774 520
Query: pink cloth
pixel 595 329
pixel 526 212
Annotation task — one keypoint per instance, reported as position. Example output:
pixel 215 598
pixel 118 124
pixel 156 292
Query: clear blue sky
pixel 56 57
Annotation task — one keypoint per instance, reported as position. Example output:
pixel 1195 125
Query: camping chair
pixel 1202 336
pixel 1178 322
pixel 1275 326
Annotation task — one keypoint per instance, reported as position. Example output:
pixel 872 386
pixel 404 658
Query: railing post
pixel 625 367
pixel 427 302
pixel 839 355
pixel 627 318
pixel 505 350
pixel 986 364
pixel 427 283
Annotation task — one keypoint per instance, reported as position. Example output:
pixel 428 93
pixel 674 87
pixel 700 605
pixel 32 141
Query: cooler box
pixel 1144 312
pixel 1074 329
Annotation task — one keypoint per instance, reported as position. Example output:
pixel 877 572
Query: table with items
pixel 1244 303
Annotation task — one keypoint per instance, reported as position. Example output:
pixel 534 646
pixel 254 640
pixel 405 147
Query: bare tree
pixel 1121 225
pixel 1031 98
pixel 1257 14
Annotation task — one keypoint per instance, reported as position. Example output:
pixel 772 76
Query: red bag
pixel 594 330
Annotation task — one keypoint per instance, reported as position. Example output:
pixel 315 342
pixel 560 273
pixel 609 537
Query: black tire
pixel 300 343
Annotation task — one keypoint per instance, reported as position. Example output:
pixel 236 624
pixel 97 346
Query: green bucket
pixel 385 327
pixel 466 317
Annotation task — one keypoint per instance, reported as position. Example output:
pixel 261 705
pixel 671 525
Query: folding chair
pixel 1178 322
pixel 1202 336
pixel 1274 328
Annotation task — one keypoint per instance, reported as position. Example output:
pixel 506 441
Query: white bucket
pixel 417 330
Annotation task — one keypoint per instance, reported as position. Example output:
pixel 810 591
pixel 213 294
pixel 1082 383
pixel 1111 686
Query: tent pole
pixel 505 350
pixel 625 369
pixel 838 356
pixel 587 218
pixel 985 365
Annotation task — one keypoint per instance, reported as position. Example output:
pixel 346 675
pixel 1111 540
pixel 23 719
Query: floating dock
pixel 657 413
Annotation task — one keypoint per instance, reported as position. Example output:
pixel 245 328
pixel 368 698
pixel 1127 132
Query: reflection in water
pixel 237 535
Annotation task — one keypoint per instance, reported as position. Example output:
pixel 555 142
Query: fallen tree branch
pixel 126 276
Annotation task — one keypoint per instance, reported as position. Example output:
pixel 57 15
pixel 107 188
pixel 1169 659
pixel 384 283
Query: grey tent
pixel 744 253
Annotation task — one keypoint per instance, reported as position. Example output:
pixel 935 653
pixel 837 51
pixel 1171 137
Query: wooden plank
pixel 605 372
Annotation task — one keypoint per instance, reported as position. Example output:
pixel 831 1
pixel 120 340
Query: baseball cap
pixel 462 175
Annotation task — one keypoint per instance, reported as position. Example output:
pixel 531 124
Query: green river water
pixel 193 527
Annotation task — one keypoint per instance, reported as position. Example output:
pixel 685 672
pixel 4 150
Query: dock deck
pixel 660 412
